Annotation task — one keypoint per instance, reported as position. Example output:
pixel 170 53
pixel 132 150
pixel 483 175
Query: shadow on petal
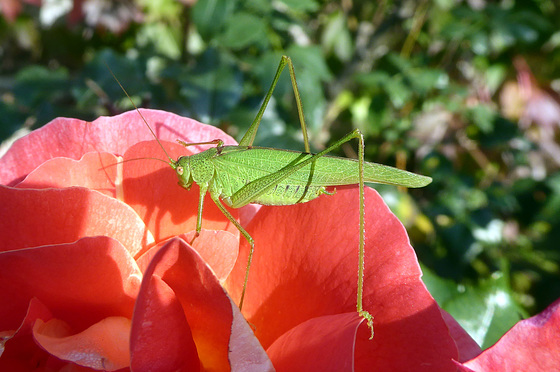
pixel 95 171
pixel 161 339
pixel 81 282
pixel 305 266
pixel 151 188
pixel 320 344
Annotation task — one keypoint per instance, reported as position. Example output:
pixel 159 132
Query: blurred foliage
pixel 464 91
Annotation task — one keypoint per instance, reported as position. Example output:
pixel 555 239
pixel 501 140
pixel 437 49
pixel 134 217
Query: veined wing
pixel 250 163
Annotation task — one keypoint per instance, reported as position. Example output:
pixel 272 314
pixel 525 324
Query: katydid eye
pixel 180 171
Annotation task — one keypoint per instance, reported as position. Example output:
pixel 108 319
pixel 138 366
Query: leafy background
pixel 464 91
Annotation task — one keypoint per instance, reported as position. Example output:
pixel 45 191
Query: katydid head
pixel 183 169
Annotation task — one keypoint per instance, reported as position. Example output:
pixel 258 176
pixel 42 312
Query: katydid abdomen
pixel 306 184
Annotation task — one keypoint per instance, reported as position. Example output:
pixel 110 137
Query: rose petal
pixel 72 138
pixel 531 345
pixel 103 346
pixel 462 368
pixel 32 218
pixel 21 353
pixel 95 171
pixel 150 187
pixel 308 255
pixel 161 336
pixel 245 351
pixel 320 344
pixel 81 282
pixel 247 213
pixel 207 309
pixel 204 302
pixel 219 249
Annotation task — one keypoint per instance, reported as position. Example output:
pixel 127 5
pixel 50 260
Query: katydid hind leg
pixel 258 187
pixel 243 232
pixel 298 103
pixel 249 136
pixel 359 301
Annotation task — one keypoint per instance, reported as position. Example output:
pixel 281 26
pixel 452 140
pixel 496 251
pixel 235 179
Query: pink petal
pixel 207 310
pixel 95 171
pixel 33 218
pixel 305 266
pixel 247 213
pixel 21 353
pixel 10 9
pixel 328 346
pixel 72 138
pixel 204 301
pixel 531 345
pixel 81 282
pixel 161 339
pixel 103 346
pixel 245 351
pixel 219 249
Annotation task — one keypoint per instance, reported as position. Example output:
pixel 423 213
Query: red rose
pixel 96 270
pixel 82 281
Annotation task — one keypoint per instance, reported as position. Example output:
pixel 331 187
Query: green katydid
pixel 243 174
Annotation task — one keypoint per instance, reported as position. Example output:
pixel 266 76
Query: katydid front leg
pixel 203 188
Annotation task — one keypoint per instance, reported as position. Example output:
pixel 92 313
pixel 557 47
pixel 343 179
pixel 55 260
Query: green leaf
pixel 483 117
pixel 10 120
pixel 127 70
pixel 485 311
pixel 398 92
pixel 423 80
pixel 242 30
pixel 336 37
pixel 310 60
pixel 301 5
pixel 210 16
pixel 161 9
pixel 35 84
pixel 212 87
pixel 163 37
pixel 374 80
pixel 259 6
